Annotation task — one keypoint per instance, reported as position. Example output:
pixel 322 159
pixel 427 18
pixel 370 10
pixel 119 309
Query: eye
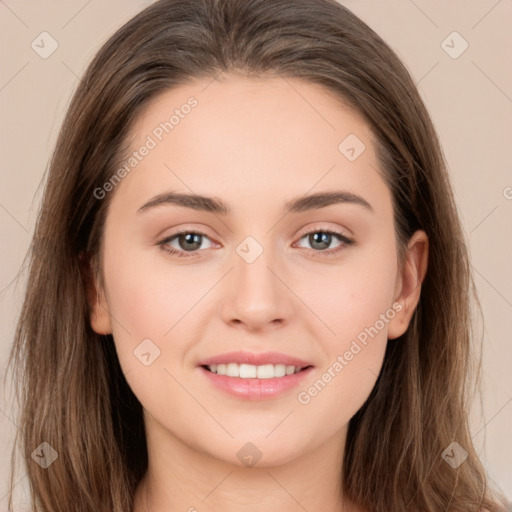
pixel 191 241
pixel 188 242
pixel 320 239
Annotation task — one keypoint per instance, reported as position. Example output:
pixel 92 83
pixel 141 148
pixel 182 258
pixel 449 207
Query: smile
pixel 250 371
pixel 251 387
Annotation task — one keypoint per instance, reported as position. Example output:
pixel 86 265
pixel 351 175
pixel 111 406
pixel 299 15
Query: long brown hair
pixel 71 388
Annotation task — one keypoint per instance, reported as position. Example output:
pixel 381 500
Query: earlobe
pixel 409 283
pixel 98 307
pixel 100 316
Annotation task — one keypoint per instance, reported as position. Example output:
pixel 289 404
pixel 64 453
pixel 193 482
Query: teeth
pixel 232 370
pixel 250 371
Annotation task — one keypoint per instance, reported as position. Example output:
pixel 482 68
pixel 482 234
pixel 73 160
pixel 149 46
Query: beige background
pixel 469 97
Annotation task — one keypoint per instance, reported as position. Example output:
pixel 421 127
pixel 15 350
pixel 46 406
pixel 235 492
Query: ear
pixel 408 283
pixel 96 298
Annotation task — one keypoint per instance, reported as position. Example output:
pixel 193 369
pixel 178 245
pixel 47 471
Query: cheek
pixel 152 310
pixel 354 345
pixel 351 294
pixel 144 306
pixel 355 306
pixel 148 295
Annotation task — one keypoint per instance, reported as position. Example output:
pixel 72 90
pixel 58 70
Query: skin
pixel 255 144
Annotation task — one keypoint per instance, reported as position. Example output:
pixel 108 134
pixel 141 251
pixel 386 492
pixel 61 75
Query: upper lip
pixel 241 357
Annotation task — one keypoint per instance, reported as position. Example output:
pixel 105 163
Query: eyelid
pixel 325 227
pixel 186 229
pixel 305 231
pixel 181 231
pixel 345 240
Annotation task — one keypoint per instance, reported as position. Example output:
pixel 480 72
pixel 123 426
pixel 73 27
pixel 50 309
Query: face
pixel 257 275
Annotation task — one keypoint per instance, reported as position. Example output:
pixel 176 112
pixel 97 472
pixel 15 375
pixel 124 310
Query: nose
pixel 257 295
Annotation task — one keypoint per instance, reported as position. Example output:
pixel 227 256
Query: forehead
pixel 239 107
pixel 247 137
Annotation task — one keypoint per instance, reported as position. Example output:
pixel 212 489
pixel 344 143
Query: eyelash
pixel 182 254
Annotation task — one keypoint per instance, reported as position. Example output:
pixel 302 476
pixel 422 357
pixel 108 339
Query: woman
pixel 249 371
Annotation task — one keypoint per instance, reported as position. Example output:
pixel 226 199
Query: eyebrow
pixel 215 205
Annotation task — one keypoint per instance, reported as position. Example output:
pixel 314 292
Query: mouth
pixel 251 371
pixel 255 382
pixel 255 376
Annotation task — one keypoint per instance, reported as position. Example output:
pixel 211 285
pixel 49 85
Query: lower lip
pixel 255 389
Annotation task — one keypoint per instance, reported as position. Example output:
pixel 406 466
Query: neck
pixel 180 478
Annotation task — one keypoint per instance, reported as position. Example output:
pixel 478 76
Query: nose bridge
pixel 257 295
pixel 253 258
